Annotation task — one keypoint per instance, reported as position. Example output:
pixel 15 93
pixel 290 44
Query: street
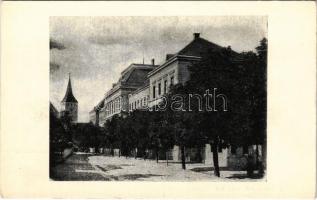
pixel 105 168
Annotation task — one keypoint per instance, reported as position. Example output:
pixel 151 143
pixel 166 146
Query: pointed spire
pixel 69 97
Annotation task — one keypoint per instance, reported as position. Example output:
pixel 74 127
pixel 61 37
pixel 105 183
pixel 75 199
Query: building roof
pixel 145 85
pixel 197 48
pixel 69 96
pixel 133 76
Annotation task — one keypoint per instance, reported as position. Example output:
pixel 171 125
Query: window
pixel 159 89
pixel 141 102
pixel 172 80
pixel 138 104
pixel 144 100
pixel 165 86
pixel 154 92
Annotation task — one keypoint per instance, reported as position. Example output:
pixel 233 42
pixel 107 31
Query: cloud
pixel 56 45
pixel 54 67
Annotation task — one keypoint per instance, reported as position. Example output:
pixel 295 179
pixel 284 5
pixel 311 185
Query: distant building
pixel 69 104
pixel 94 114
pixel 116 100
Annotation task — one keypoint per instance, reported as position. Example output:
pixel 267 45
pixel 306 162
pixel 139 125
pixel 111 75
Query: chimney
pixel 196 35
pixel 153 61
pixel 168 56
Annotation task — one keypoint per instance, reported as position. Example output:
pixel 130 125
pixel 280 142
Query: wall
pixel 139 98
pixel 222 156
pixel 102 117
pixel 183 72
pixel 159 77
pixel 239 159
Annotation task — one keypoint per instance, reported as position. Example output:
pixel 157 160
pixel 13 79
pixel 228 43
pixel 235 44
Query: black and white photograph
pixel 158 98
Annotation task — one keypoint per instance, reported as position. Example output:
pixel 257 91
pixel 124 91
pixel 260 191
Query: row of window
pixel 113 106
pixel 160 87
pixel 139 103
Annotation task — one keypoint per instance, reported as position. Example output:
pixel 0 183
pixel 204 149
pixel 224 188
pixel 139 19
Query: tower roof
pixel 69 97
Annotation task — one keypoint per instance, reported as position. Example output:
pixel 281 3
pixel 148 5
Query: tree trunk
pixel 257 156
pixel 157 156
pixel 264 153
pixel 215 158
pixel 183 157
pixel 262 163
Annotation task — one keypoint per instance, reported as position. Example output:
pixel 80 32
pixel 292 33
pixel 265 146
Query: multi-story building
pixel 142 86
pixel 175 69
pixel 116 100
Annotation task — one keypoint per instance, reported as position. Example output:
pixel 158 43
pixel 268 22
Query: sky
pixel 96 49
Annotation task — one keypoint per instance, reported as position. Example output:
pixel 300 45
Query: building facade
pixel 116 100
pixel 94 114
pixel 139 99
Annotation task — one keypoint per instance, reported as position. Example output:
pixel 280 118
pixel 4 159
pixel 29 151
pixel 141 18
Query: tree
pixel 59 138
pixel 166 138
pixel 260 103
pixel 140 125
pixel 66 122
pixel 181 121
pixel 154 136
pixel 111 138
pixel 222 71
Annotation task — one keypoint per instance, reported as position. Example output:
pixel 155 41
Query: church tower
pixel 69 103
